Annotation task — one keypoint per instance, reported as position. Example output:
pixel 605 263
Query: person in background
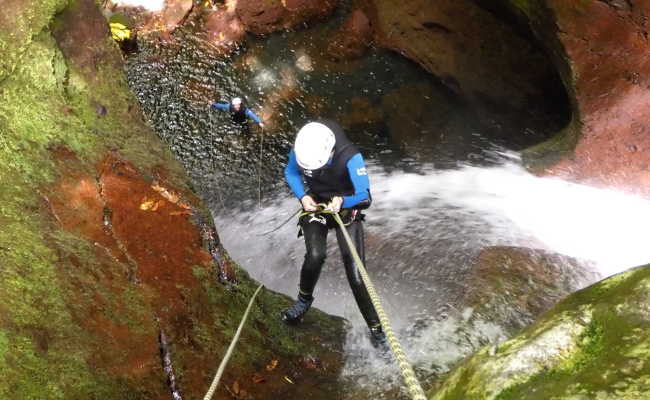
pixel 238 112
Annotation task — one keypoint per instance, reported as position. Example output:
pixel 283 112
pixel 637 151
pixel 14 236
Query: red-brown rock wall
pixel 606 45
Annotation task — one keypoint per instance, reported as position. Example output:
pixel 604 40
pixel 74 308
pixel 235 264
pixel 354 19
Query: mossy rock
pixel 592 345
pixel 101 239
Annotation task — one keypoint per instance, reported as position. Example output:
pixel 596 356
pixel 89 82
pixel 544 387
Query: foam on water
pixel 436 219
pixel 601 225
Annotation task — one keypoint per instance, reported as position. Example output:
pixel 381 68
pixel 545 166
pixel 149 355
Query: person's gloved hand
pixel 308 203
pixel 261 124
pixel 335 204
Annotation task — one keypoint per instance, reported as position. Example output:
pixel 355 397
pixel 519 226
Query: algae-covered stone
pixel 19 22
pixel 593 345
pixel 89 276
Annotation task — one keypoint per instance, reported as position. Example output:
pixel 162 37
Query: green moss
pixel 39 111
pixel 20 21
pixel 554 381
pixel 265 336
pixel 611 358
pixel 4 349
pixel 31 102
pixel 592 346
pixel 559 146
pixel 60 295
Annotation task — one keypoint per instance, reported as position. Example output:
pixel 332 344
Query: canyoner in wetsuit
pixel 239 112
pixel 325 161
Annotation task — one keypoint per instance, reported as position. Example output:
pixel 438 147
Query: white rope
pixel 224 361
pixel 411 381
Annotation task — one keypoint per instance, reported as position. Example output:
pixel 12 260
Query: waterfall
pixel 422 230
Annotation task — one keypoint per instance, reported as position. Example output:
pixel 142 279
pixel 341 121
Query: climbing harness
pixel 226 358
pixel 411 381
pixel 300 212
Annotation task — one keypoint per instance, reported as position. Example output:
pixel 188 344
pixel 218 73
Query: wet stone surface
pixel 423 254
pixel 398 113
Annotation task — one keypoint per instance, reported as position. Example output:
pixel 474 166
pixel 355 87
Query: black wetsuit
pixel 239 117
pixel 323 184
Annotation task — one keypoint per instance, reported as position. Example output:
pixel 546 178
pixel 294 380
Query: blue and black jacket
pixel 239 116
pixel 344 174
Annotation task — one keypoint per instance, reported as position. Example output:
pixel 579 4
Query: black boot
pixel 296 312
pixel 378 339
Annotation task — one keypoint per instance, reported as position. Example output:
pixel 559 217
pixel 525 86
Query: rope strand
pixel 411 381
pixel 226 358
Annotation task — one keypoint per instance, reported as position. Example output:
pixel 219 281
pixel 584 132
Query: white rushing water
pixel 501 205
pixel 600 225
pixel 422 231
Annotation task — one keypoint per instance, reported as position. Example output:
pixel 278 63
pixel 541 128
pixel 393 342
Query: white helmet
pixel 314 144
pixel 236 101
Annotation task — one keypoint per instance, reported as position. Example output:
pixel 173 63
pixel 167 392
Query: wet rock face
pixel 425 111
pixel 483 50
pixel 264 16
pixel 592 345
pixel 257 16
pixel 104 245
pixel 175 13
pixel 260 16
pixel 71 32
pixel 224 29
pixel 472 52
pixel 224 23
pixel 353 38
pixel 164 21
pixel 519 284
pixel 505 290
pixel 603 51
pixel 466 305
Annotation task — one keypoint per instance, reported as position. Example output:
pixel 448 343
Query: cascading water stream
pixel 441 193
pixel 498 205
pixel 423 230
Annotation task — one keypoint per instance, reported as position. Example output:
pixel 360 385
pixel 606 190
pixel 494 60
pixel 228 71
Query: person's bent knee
pixel 315 258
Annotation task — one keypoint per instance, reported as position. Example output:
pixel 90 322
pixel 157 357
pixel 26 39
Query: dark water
pixel 411 130
pixel 400 115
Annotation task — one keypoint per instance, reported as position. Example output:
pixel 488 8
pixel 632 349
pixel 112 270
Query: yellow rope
pixel 282 224
pixel 224 361
pixel 411 381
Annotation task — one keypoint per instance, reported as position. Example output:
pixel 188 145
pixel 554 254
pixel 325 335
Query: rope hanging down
pixel 411 381
pixel 259 171
pixel 282 224
pixel 224 361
